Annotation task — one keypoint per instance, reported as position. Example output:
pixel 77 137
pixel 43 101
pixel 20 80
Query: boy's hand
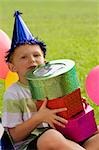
pixel 49 116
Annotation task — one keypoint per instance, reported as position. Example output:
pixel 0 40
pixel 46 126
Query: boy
pixel 28 127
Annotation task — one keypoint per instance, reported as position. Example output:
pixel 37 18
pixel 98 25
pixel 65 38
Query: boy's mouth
pixel 31 67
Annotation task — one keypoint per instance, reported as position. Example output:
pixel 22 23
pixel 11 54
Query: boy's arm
pixel 43 115
pixel 22 130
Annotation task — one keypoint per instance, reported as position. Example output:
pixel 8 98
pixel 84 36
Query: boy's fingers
pixel 59 123
pixel 62 120
pixel 44 103
pixel 59 110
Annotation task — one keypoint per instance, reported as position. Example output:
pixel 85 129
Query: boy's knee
pixel 50 141
pixel 50 144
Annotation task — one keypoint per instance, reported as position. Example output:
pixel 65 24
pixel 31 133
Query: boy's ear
pixel 11 67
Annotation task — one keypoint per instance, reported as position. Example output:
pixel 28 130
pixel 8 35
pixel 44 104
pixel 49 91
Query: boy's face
pixel 26 57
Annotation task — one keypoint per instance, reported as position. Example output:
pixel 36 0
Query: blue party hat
pixel 22 35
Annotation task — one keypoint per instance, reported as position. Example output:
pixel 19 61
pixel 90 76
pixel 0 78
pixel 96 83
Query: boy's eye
pixel 36 55
pixel 23 57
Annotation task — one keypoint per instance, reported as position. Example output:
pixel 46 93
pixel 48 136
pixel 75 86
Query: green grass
pixel 69 28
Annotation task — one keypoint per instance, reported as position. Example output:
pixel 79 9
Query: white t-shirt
pixel 18 106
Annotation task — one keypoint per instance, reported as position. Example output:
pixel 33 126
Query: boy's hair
pixel 10 52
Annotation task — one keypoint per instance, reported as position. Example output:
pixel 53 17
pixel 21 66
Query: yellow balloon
pixel 10 79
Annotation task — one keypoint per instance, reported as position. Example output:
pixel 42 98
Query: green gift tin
pixel 54 79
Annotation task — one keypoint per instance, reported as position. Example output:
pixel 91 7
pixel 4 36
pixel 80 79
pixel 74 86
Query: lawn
pixel 69 28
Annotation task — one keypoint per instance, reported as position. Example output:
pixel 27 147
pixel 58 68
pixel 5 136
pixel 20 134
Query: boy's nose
pixel 32 59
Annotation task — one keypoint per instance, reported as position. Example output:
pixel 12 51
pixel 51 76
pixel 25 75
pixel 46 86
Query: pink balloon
pixel 92 84
pixel 5 43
